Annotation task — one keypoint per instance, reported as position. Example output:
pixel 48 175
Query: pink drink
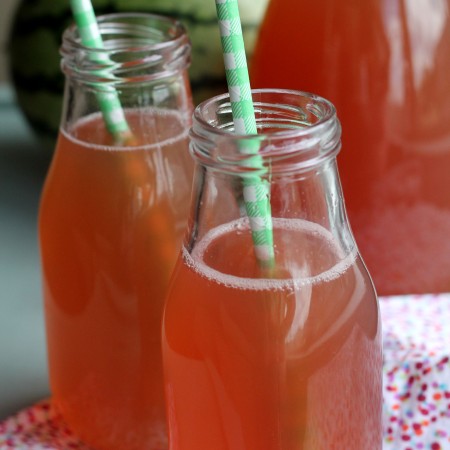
pixel 291 363
pixel 111 224
pixel 385 66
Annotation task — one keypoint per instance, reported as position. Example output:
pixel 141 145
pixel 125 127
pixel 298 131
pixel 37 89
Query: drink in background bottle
pixel 384 65
pixel 111 224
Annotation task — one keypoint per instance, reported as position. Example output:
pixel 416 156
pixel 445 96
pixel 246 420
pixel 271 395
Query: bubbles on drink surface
pixel 156 128
pixel 307 255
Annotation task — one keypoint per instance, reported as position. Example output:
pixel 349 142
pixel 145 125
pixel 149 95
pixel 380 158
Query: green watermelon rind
pixel 36 37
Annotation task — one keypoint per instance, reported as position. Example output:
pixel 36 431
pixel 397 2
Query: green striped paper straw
pixel 109 102
pixel 256 191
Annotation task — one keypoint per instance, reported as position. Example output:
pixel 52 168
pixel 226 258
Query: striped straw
pixel 256 191
pixel 109 102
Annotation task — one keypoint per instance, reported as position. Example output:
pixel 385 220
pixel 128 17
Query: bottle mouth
pixel 296 131
pixel 137 47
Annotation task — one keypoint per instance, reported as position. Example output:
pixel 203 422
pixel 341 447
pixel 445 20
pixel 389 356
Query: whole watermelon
pixel 36 37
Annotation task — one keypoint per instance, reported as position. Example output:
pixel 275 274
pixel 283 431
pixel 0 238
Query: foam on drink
pixel 162 128
pixel 310 230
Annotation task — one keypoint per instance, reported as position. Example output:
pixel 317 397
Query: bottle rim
pixel 138 47
pixel 296 131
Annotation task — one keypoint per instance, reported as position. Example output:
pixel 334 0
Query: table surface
pixel 23 164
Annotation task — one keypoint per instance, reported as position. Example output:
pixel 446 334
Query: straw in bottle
pixel 256 191
pixel 109 102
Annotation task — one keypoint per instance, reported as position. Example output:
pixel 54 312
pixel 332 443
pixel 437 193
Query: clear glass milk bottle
pixel 286 357
pixel 111 222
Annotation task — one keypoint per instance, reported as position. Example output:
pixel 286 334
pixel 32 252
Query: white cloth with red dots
pixel 416 372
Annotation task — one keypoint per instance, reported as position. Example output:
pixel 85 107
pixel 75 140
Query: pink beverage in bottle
pixel 111 222
pixel 285 358
pixel 384 65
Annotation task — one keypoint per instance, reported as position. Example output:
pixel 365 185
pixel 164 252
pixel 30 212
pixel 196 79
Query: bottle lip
pixel 296 131
pixel 138 47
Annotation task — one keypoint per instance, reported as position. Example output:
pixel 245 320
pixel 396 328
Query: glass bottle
pixel 111 221
pixel 384 64
pixel 287 357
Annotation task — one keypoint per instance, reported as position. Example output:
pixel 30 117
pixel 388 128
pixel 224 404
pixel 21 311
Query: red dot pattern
pixel 416 372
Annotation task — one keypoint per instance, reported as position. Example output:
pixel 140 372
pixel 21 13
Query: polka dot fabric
pixel 416 378
pixel 38 428
pixel 416 373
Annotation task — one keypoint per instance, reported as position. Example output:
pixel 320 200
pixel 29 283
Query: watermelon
pixel 36 37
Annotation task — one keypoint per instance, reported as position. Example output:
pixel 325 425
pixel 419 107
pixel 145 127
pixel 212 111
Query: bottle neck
pixel 137 48
pixel 296 132
pixel 143 62
pixel 298 140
